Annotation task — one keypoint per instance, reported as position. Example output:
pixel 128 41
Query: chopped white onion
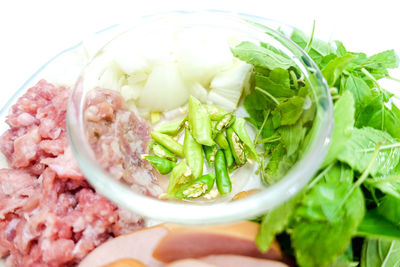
pixel 164 89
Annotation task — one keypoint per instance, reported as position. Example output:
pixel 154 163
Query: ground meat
pixel 119 138
pixel 49 214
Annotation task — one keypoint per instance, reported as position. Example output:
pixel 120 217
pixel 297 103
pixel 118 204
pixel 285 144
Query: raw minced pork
pixel 49 214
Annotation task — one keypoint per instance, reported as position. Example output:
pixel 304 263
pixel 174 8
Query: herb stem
pixel 267 94
pixel 308 46
pixel 393 78
pixel 362 178
pixel 319 177
pixel 381 148
pixel 387 179
pixel 261 128
pixel 294 78
pixel 269 139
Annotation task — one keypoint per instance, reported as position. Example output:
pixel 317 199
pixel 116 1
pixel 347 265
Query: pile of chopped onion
pixel 159 72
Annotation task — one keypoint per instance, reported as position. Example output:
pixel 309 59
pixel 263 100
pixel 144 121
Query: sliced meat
pixel 191 263
pixel 126 263
pixel 194 242
pixel 239 261
pixel 138 245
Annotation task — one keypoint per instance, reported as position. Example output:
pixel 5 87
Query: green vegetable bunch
pixel 350 212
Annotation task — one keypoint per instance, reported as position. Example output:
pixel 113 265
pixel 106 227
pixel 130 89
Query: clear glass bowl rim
pixel 224 212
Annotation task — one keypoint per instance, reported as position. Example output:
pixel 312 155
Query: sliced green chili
pixel 172 128
pixel 220 139
pixel 209 152
pixel 229 157
pixel 239 126
pixel 162 165
pixel 193 153
pixel 200 122
pixel 225 122
pixel 180 175
pixel 215 113
pixel 197 188
pixel 237 147
pixel 161 151
pixel 168 142
pixel 221 172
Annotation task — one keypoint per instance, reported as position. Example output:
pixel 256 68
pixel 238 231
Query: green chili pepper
pixel 229 157
pixel 200 122
pixel 237 147
pixel 239 126
pixel 161 151
pixel 172 128
pixel 215 113
pixel 162 165
pixel 197 188
pixel 210 152
pixel 180 175
pixel 220 139
pixel 225 122
pixel 168 142
pixel 193 153
pixel 221 172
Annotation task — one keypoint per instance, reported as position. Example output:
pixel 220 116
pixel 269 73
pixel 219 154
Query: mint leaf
pixel 274 222
pixel 277 83
pixel 321 203
pixel 360 147
pixel 318 48
pixel 320 242
pixel 359 89
pixel 335 67
pixel 290 110
pixel 388 184
pixel 344 122
pixel 380 252
pixel 376 226
pixel 256 104
pixel 260 56
pixel 386 59
pixel 291 137
pixel 389 208
pixel 371 115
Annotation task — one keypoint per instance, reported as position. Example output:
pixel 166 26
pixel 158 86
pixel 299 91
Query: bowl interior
pixel 245 26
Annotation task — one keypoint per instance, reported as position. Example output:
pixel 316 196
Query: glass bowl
pixel 253 28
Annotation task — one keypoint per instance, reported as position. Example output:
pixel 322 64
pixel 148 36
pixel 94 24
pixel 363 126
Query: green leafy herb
pixel 380 252
pixel 361 145
pixel 261 56
pixel 274 222
pixel 356 193
pixel 376 226
pixel 344 122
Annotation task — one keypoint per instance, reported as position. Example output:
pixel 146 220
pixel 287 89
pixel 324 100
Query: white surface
pixel 34 31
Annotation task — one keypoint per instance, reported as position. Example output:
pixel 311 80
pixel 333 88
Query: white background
pixel 34 31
